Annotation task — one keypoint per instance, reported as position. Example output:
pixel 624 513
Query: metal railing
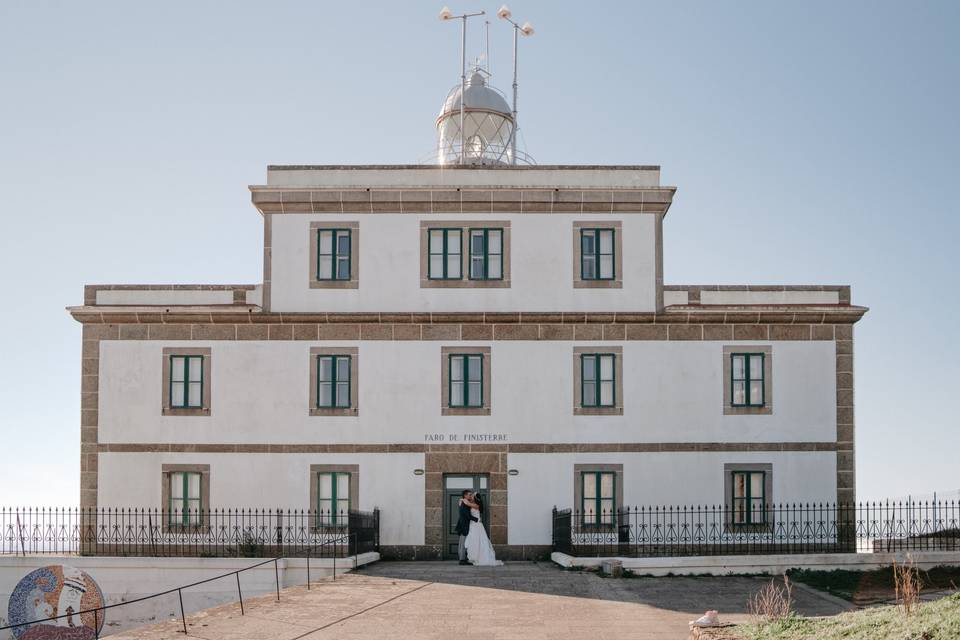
pixel 99 613
pixel 769 529
pixel 242 533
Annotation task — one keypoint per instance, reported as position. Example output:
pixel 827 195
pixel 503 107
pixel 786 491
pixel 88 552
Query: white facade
pixel 672 436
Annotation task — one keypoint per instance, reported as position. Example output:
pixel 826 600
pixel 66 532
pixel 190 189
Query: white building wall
pixel 257 480
pixel 650 479
pixel 673 392
pixel 389 267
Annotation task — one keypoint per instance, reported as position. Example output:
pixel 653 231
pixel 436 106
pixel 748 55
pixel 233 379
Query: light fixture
pixel 504 12
pixel 418 472
pixel 513 472
pixel 527 29
pixel 445 13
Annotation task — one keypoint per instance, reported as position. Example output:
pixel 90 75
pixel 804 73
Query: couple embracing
pixel 475 547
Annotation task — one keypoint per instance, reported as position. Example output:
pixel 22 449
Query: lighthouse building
pixel 478 322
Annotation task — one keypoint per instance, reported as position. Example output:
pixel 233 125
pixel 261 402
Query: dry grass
pixel 907 585
pixel 772 602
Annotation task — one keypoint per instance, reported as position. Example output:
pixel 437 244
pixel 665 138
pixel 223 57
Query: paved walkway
pixel 444 600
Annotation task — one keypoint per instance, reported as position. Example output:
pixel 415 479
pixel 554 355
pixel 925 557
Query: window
pixel 748 487
pixel 598 379
pixel 465 254
pixel 486 254
pixel 597 254
pixel 746 380
pixel 186 495
pixel 445 260
pixel 186 381
pixel 466 380
pixel 333 381
pixel 333 493
pixel 185 503
pixel 749 503
pixel 333 254
pixel 333 497
pixel 598 497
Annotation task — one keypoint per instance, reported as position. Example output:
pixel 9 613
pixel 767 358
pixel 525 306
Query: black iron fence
pixel 766 529
pixel 245 533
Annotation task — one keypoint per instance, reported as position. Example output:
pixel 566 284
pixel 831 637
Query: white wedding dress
pixel 479 549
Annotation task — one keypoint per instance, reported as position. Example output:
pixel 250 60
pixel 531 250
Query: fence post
pixel 182 614
pixel 308 568
pixel 96 624
pixel 276 572
pixel 239 593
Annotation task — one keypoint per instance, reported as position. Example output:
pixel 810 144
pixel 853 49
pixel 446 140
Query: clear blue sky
pixel 811 142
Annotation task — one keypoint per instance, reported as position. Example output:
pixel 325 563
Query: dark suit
pixel 463 528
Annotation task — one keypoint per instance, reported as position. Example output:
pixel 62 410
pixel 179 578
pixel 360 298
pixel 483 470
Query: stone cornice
pixel 673 315
pixel 472 199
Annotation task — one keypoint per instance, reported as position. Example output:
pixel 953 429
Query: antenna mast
pixel 527 30
pixel 446 14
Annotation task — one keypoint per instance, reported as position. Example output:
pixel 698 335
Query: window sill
pixel 349 412
pixel 186 411
pixel 765 410
pixel 598 411
pixel 465 411
pixel 464 284
pixel 334 284
pixel 598 284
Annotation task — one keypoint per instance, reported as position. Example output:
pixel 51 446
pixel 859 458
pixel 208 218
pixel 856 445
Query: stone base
pixel 434 552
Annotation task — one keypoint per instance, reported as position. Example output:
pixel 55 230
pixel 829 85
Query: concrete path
pixel 444 600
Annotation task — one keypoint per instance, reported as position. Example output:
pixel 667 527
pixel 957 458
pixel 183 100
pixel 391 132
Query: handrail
pixel 179 589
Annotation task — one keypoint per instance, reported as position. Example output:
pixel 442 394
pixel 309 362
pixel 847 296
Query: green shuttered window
pixel 749 499
pixel 597 254
pixel 333 497
pixel 598 379
pixel 465 380
pixel 333 254
pixel 598 497
pixel 747 380
pixel 186 381
pixel 185 504
pixel 333 382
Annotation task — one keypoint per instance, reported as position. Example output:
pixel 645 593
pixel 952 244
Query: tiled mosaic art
pixel 56 590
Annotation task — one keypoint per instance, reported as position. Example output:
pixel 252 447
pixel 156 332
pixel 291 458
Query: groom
pixel 463 524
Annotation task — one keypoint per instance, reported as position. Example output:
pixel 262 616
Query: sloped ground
pixel 444 600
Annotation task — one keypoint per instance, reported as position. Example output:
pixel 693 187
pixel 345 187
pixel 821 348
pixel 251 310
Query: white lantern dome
pixel 487 125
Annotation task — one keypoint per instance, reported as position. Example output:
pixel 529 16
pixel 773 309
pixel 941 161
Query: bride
pixel 479 549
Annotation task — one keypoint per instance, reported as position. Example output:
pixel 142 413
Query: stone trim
pixel 354 281
pixel 578 408
pixel 694 290
pixel 464 282
pixel 794 323
pixel 516 447
pixel 445 408
pixel 204 409
pixel 579 469
pixel 617 282
pixel 437 464
pixel 265 303
pixel 204 471
pixel 728 469
pixel 846 461
pixel 352 469
pixel 354 408
pixel 658 260
pixel 767 408
pixel 527 552
pixel 287 200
